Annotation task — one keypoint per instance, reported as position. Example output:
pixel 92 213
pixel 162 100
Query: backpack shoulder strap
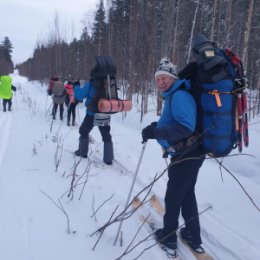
pixel 191 141
pixel 183 86
pixel 111 69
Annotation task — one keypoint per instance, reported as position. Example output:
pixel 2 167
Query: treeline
pixel 137 33
pixel 6 64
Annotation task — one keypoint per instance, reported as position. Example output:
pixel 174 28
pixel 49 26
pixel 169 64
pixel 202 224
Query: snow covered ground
pixel 36 172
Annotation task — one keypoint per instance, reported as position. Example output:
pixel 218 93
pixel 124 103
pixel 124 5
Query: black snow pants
pixel 9 102
pixel 180 194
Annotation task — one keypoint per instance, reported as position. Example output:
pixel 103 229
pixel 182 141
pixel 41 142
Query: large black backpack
pixel 103 79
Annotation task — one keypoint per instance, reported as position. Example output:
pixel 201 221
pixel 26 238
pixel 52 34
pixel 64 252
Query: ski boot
pixel 187 238
pixel 167 241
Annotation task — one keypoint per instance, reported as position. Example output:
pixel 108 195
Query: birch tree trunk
pixel 192 29
pixel 247 33
pixel 229 18
pixel 176 28
pixel 214 20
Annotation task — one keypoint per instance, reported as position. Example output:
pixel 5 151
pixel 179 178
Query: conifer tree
pixel 7 49
pixel 6 64
pixel 100 32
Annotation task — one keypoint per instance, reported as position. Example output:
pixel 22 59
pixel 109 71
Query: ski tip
pixel 136 202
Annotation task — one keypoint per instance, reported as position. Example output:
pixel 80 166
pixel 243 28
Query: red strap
pixel 234 58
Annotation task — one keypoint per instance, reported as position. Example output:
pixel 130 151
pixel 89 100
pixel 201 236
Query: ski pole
pixel 240 121
pixel 108 85
pixel 78 114
pixel 46 104
pixel 15 100
pixel 131 189
pixel 245 121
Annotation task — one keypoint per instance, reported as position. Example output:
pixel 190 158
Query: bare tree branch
pixel 94 213
pixel 59 206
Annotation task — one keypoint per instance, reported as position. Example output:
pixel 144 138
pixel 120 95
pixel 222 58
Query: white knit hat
pixel 166 68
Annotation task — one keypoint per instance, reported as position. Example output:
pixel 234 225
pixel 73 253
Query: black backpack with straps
pixel 103 79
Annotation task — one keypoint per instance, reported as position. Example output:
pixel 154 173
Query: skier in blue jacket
pixel 88 91
pixel 175 132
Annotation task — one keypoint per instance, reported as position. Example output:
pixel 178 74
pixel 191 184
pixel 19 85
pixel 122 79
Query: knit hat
pixel 166 68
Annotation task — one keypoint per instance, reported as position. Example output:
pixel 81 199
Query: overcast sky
pixel 27 21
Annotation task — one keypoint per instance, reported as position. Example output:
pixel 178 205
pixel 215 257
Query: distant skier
pixel 58 92
pixel 6 89
pixel 70 101
pixel 92 119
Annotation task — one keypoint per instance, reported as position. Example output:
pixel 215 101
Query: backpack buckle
pixel 217 97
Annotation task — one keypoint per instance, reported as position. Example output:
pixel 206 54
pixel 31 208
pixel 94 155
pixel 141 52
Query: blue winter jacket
pixel 178 118
pixel 88 92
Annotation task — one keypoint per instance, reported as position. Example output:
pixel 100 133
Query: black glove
pixel 78 101
pixel 154 124
pixel 49 92
pixel 148 132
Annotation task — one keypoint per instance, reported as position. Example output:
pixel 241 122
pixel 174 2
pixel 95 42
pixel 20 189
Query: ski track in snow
pixel 212 242
pixel 5 126
pixel 118 167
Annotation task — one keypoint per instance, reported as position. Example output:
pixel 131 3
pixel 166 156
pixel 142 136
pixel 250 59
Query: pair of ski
pixel 148 218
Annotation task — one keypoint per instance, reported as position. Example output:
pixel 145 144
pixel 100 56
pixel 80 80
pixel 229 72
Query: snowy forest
pixel 138 33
